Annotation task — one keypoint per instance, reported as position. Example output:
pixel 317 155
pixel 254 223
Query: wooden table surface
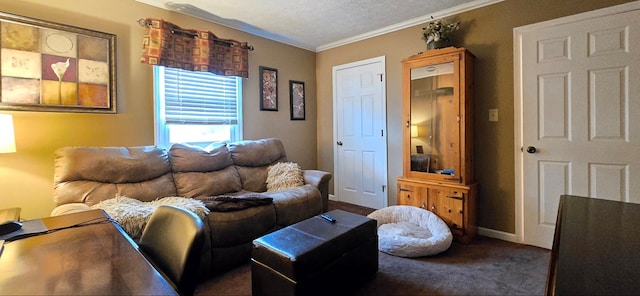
pixel 596 248
pixel 96 258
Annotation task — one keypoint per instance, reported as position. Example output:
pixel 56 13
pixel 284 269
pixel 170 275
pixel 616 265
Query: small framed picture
pixel 296 95
pixel 268 89
pixel 419 149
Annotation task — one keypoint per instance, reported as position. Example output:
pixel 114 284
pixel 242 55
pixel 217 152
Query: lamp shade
pixel 418 131
pixel 7 137
pixel 414 131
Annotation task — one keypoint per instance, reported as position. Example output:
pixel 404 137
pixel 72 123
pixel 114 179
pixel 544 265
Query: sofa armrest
pixel 70 208
pixel 319 179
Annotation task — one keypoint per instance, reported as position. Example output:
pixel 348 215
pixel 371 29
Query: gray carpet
pixel 485 266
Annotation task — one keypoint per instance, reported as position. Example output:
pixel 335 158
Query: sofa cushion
pixel 295 204
pixel 141 172
pixel 257 153
pixel 199 173
pixel 187 158
pixel 196 184
pixel 70 208
pixel 252 159
pixel 284 175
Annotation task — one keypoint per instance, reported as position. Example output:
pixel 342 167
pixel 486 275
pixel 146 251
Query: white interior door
pixel 360 162
pixel 578 103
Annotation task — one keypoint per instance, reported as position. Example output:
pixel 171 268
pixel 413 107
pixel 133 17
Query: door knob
pixel 339 143
pixel 531 149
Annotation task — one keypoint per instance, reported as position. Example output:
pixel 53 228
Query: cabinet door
pixel 453 204
pixel 448 204
pixel 411 195
pixel 434 127
pixel 432 105
pixel 437 96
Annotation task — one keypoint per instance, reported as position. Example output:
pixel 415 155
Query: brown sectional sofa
pixel 84 176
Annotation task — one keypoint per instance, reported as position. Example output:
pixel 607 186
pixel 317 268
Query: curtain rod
pixel 191 34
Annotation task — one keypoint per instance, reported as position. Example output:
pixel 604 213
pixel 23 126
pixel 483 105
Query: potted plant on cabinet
pixel 438 32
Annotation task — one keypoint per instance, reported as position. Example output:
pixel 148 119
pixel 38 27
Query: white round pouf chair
pixel 408 231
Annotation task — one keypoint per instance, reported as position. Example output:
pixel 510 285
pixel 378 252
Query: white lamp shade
pixel 418 131
pixel 7 137
pixel 414 131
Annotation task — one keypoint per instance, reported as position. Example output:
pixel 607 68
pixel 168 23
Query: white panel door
pixel 577 79
pixel 360 163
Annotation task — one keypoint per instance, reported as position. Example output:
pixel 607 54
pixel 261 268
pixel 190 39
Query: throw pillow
pixel 284 175
pixel 133 214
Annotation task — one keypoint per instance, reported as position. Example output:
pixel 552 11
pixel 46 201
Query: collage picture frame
pixel 48 66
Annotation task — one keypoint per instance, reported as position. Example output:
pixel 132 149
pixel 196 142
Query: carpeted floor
pixel 485 266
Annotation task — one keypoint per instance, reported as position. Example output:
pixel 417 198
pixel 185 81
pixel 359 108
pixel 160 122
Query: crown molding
pixel 197 13
pixel 410 23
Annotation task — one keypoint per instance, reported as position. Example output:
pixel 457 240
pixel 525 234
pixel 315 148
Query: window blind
pixel 200 98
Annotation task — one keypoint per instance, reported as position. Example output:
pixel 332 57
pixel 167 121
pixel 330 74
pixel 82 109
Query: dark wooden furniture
pixel 86 255
pixel 595 248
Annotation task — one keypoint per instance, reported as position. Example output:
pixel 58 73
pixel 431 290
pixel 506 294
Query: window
pixel 196 107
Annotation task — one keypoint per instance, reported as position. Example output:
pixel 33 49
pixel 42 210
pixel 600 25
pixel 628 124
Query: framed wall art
pixel 296 95
pixel 48 66
pixel 268 89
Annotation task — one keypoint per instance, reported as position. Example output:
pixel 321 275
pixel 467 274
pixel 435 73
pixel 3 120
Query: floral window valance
pixel 166 44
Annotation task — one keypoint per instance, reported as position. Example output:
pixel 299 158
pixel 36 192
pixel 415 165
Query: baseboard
pixel 501 235
pixel 505 236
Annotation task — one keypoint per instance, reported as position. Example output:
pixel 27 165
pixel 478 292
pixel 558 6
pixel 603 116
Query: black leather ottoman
pixel 315 256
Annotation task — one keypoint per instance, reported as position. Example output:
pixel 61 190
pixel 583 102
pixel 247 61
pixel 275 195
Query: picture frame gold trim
pixel 52 67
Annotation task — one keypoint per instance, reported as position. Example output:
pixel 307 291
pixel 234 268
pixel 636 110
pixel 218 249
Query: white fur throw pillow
pixel 284 175
pixel 133 214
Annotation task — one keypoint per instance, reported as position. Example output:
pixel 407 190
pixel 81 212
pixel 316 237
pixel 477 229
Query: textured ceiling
pixel 318 24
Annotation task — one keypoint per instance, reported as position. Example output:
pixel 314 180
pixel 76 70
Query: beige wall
pixel 488 33
pixel 26 177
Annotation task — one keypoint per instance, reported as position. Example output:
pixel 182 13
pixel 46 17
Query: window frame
pixel 161 128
